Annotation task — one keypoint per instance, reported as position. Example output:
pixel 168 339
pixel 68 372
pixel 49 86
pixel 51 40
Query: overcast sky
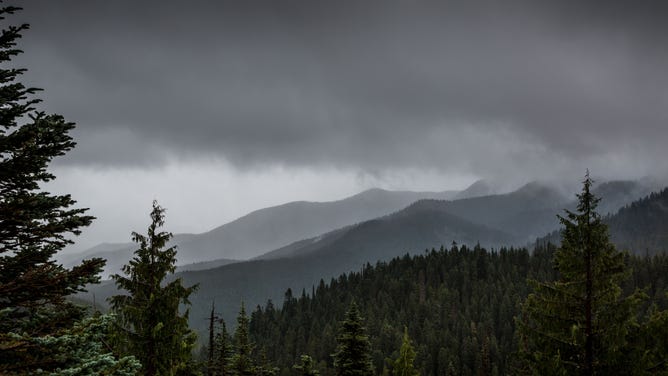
pixel 217 108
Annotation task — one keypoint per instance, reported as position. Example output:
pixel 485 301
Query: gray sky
pixel 216 108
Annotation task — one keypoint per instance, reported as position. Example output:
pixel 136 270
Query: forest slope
pixel 459 307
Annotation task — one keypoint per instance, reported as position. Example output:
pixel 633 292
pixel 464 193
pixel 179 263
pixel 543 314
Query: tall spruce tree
pixel 40 331
pixel 211 349
pixel 223 350
pixel 306 366
pixel 403 365
pixel 242 362
pixel 150 325
pixel 353 351
pixel 580 323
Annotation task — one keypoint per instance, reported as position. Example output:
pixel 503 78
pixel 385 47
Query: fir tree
pixel 211 348
pixel 403 365
pixel 149 324
pixel 223 351
pixel 40 331
pixel 242 361
pixel 353 352
pixel 579 324
pixel 306 366
pixel 84 350
pixel 264 367
pixel 653 343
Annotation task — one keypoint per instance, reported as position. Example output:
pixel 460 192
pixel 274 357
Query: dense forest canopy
pixel 458 304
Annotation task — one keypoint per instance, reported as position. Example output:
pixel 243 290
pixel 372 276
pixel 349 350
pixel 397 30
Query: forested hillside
pixel 422 225
pixel 459 307
pixel 640 227
pixel 410 230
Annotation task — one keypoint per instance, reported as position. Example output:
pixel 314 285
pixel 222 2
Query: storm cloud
pixel 489 88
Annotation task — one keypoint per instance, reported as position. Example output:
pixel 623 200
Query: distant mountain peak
pixel 479 188
pixel 534 187
pixel 369 192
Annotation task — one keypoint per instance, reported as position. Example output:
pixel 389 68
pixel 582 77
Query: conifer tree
pixel 83 350
pixel 40 331
pixel 353 351
pixel 242 361
pixel 264 367
pixel 223 350
pixel 149 324
pixel 212 344
pixel 306 366
pixel 403 365
pixel 579 324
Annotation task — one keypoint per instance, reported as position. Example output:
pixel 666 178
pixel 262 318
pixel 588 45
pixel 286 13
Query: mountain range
pixel 270 228
pixel 421 225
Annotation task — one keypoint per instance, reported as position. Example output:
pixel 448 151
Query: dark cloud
pixel 488 87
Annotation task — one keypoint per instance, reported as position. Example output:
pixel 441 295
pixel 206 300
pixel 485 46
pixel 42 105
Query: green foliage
pixel 653 342
pixel 263 366
pixel 450 325
pixel 149 323
pixel 242 362
pixel 640 226
pixel 464 326
pixel 581 323
pixel 40 331
pixel 211 349
pixel 81 350
pixel 353 351
pixel 222 352
pixel 403 365
pixel 306 366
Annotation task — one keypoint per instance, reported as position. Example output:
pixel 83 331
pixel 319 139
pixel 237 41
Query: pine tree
pixel 353 352
pixel 223 350
pixel 242 361
pixel 149 324
pixel 264 367
pixel 579 324
pixel 403 365
pixel 653 343
pixel 306 366
pixel 39 328
pixel 212 344
pixel 86 352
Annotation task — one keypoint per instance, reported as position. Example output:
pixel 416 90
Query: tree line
pixel 465 311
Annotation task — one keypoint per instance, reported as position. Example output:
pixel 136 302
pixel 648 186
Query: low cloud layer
pixel 492 89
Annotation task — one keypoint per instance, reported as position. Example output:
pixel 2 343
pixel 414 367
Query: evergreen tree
pixel 223 349
pixel 84 350
pixel 40 331
pixel 353 352
pixel 210 368
pixel 579 324
pixel 149 324
pixel 242 361
pixel 264 367
pixel 653 343
pixel 403 365
pixel 465 326
pixel 306 366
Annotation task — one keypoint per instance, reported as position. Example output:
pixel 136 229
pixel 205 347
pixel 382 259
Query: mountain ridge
pixel 412 230
pixel 267 229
